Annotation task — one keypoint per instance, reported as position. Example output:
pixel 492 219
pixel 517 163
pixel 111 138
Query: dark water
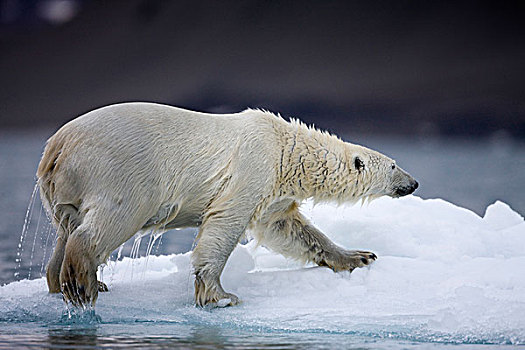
pixel 469 173
pixel 163 336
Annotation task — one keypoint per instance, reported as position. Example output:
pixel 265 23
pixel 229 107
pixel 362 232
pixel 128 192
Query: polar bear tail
pixel 51 154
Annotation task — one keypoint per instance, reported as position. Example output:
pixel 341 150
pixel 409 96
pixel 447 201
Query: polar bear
pixel 120 169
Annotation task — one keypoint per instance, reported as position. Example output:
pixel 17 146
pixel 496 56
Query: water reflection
pixel 73 337
pixel 183 336
pixel 192 336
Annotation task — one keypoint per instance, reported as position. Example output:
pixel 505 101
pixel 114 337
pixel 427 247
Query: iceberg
pixel 443 274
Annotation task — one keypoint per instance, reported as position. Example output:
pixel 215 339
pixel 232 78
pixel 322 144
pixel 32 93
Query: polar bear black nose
pixel 403 191
pixel 413 187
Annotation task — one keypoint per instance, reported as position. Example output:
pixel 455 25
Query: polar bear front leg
pixel 219 235
pixel 289 233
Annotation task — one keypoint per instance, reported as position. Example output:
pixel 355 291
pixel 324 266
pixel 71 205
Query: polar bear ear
pixel 358 163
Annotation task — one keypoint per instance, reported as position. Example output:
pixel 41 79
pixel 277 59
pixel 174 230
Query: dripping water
pixel 148 250
pixel 42 266
pixel 135 251
pixel 112 264
pixel 136 247
pixel 25 228
pixel 158 244
pixel 154 235
pixel 119 254
pixel 34 243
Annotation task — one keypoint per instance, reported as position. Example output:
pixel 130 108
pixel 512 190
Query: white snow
pixel 443 274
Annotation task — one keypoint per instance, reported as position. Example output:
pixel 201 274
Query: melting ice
pixel 444 274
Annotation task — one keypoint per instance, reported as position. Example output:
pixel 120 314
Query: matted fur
pixel 129 167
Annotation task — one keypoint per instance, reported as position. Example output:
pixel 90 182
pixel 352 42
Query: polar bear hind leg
pixel 66 221
pixel 78 274
pixel 87 247
pixel 54 265
pixel 284 230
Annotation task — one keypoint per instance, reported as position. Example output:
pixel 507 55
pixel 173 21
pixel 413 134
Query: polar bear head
pixel 375 175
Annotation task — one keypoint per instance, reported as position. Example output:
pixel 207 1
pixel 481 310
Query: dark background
pixel 376 67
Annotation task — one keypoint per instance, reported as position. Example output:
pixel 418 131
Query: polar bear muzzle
pixel 403 183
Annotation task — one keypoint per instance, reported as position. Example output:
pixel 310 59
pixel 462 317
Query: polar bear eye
pixel 358 163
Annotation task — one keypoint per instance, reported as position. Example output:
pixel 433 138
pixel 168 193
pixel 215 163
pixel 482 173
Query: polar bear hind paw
pixel 79 287
pixel 78 276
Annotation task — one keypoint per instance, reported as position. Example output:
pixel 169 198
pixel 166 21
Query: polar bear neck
pixel 315 164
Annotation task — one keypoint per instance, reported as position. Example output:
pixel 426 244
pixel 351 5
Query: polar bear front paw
pixel 228 299
pixel 359 258
pixel 211 294
pixel 348 260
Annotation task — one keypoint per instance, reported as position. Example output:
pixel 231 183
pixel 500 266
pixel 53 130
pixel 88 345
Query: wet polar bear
pixel 124 168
